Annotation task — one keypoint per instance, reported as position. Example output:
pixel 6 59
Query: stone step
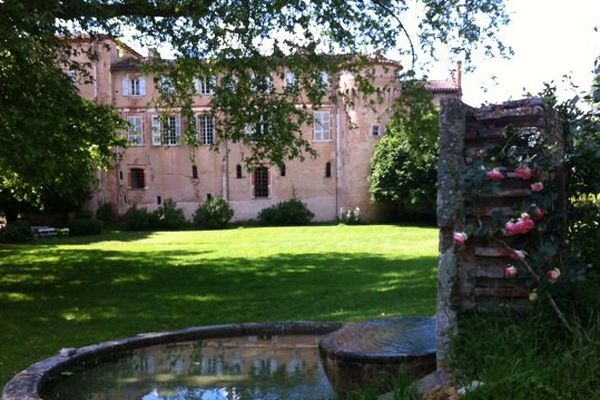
pixel 503 291
pixel 495 211
pixel 507 193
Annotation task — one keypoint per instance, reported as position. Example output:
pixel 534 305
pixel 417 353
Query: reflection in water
pixel 239 368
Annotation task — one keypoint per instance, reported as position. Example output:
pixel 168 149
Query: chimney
pixel 153 53
pixel 459 75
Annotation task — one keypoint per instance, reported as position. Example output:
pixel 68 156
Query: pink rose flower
pixel 537 186
pixel 524 173
pixel 459 238
pixel 523 225
pixel 553 275
pixel 538 214
pixel 495 175
pixel 510 271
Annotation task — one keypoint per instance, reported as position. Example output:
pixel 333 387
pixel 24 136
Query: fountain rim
pixel 28 384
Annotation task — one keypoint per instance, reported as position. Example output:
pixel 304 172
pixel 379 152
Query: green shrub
pixel 136 219
pixel 84 214
pixel 286 213
pixel 168 217
pixel 16 232
pixel 106 213
pixel 85 226
pixel 214 214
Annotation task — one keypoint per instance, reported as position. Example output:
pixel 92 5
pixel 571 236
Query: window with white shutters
pixel 133 86
pixel 206 129
pixel 205 86
pixel 136 129
pixel 290 79
pixel 166 131
pixel 322 125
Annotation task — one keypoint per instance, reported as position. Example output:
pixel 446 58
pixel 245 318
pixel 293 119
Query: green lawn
pixel 76 291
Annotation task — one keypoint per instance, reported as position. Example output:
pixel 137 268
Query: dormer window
pixel 290 79
pixel 205 86
pixel 325 78
pixel 262 84
pixel 133 86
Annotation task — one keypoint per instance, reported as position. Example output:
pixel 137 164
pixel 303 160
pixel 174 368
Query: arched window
pixel 194 172
pixel 282 170
pixel 238 171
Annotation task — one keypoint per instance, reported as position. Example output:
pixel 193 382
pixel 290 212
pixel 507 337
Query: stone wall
pixel 474 277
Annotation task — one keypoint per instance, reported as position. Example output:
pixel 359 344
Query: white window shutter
pixel 125 86
pixel 178 127
pixel 213 84
pixel 197 86
pixel 156 130
pixel 142 131
pixel 142 81
pixel 326 125
pixel 270 183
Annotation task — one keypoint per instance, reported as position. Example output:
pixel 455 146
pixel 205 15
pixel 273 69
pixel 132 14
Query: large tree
pixel 404 165
pixel 48 135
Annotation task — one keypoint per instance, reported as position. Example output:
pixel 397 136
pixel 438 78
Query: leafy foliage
pixel 405 160
pixel 214 214
pixel 16 232
pixel 168 217
pixel 106 213
pixel 136 219
pixel 53 140
pixel 85 226
pixel 286 213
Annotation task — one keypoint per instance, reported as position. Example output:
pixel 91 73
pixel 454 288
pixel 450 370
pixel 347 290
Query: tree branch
pixel 73 9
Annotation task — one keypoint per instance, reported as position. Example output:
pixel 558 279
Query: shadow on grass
pixel 62 298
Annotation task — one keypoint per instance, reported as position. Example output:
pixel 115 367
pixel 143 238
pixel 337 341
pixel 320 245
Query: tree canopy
pixel 51 139
pixel 404 166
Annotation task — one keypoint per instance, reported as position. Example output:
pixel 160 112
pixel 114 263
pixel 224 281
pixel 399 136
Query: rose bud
pixel 495 175
pixel 459 238
pixel 537 186
pixel 524 173
pixel 553 275
pixel 510 271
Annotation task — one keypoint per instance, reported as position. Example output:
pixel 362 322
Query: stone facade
pixel 145 173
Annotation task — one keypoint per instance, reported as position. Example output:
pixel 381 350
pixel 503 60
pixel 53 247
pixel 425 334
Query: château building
pixel 155 167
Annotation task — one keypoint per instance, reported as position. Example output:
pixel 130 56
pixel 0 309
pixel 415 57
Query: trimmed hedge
pixel 214 214
pixel 286 213
pixel 16 232
pixel 85 226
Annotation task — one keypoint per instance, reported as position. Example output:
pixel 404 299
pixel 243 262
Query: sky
pixel 550 39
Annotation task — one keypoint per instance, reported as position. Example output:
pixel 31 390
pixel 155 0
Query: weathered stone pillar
pixel 473 279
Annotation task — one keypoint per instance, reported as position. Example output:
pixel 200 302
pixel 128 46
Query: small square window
pixel 375 130
pixel 137 178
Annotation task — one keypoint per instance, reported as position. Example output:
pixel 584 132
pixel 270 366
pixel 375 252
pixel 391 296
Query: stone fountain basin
pixel 377 353
pixel 29 384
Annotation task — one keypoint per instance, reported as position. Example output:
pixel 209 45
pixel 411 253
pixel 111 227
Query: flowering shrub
pixel 349 216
